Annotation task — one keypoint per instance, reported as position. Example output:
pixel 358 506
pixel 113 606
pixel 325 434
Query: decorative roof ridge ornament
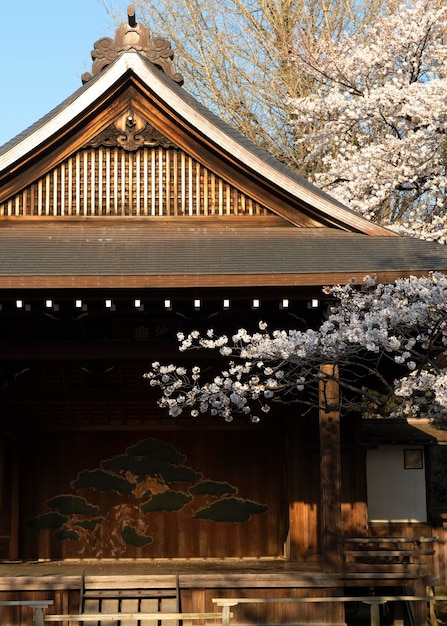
pixel 132 36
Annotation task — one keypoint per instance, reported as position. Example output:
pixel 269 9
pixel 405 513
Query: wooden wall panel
pixel 156 182
pixel 233 505
pixel 9 502
pixel 303 489
pixel 354 507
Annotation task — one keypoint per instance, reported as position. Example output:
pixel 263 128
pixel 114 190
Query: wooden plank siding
pixel 155 182
pixel 286 480
pixel 64 601
pixel 52 461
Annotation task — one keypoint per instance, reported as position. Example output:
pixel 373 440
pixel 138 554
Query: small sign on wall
pixel 394 494
pixel 413 458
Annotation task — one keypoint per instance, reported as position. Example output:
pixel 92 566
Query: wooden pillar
pixel 330 471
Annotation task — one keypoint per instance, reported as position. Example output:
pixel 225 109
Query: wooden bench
pixel 374 602
pixel 38 605
pixel 132 619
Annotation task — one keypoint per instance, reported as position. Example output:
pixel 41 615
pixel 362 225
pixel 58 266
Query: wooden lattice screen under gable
pixel 111 181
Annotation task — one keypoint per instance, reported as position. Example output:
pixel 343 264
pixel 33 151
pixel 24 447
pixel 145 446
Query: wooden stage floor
pixel 210 573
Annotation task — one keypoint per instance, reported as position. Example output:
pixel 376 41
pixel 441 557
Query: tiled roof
pixel 146 249
pixel 387 431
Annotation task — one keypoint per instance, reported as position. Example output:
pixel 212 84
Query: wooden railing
pixel 387 557
pixel 105 596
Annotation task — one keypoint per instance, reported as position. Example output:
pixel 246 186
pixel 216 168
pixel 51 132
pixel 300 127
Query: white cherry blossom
pixel 375 128
pixel 388 341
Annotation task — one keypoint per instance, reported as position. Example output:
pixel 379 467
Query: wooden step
pixel 382 567
pixel 374 553
pixel 374 575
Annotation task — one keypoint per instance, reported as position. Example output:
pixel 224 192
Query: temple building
pixel 130 213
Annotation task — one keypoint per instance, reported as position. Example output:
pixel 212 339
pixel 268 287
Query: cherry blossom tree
pixel 237 56
pixel 388 345
pixel 374 127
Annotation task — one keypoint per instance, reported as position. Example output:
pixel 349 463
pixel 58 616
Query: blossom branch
pixel 389 343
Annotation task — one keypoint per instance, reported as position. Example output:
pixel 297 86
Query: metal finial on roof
pixel 132 37
pixel 131 16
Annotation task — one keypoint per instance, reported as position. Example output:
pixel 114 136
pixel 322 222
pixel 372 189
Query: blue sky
pixel 44 48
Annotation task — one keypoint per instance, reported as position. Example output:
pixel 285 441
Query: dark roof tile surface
pixel 143 249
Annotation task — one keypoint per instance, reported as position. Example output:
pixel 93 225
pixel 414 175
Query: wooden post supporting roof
pixel 330 482
pixel 330 474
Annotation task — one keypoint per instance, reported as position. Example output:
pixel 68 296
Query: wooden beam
pixel 104 351
pixel 195 280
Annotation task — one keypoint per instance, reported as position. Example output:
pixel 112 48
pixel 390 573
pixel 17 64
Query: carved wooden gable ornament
pixel 133 36
pixel 130 132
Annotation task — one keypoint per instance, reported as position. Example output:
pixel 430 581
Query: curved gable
pixel 132 84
